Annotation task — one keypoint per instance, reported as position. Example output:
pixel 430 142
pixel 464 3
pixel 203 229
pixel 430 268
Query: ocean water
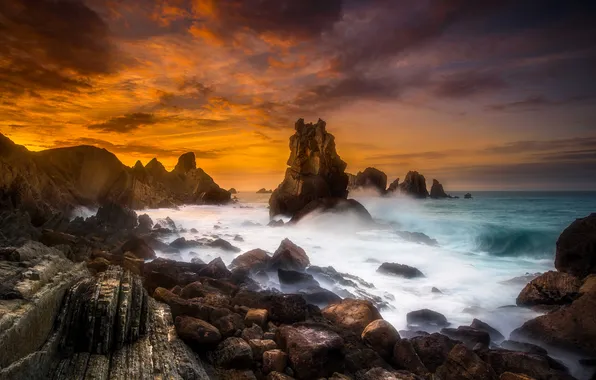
pixel 483 243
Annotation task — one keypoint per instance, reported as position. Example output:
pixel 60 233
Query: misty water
pixel 483 243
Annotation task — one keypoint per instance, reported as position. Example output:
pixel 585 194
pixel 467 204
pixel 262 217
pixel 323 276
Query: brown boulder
pixel 402 270
pixel 514 376
pixel 371 178
pixel 315 170
pixel 536 366
pixel 216 268
pixel 550 288
pixel 314 351
pixel 464 364
pixel 253 260
pixel 414 185
pixel 495 335
pixel 379 373
pixel 576 248
pixel 333 205
pixel 196 332
pixel 468 335
pixel 352 314
pixel 381 336
pixel 232 353
pixel 138 247
pixel 229 324
pixel 274 360
pixel 289 256
pixel 257 316
pixel 433 349
pixel 286 308
pixel 405 357
pixel 259 346
pixel 278 376
pixel 253 332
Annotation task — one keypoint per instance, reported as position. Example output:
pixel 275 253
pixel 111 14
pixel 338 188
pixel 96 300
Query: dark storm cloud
pixel 126 123
pixel 51 45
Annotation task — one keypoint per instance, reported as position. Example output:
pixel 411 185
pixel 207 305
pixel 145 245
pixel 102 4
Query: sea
pixel 488 247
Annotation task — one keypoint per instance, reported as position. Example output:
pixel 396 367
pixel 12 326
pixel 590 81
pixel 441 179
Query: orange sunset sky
pixel 479 94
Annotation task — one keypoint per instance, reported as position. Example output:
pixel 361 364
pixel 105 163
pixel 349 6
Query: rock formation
pixel 370 178
pixel 57 180
pixel 468 196
pixel 393 186
pixel 576 248
pixel 264 191
pixel 414 185
pixel 437 192
pixel 315 170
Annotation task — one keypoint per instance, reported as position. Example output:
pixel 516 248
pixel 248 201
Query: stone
pixel 352 314
pixel 286 308
pixel 384 374
pixel 138 247
pixel 167 273
pixel 425 317
pixel 405 357
pixel 315 170
pixel 259 346
pixel 468 196
pixel 216 268
pixel 414 185
pixel 223 245
pixel 437 191
pixel 523 347
pixel 313 350
pixel 535 366
pixel 274 360
pixel 371 178
pixel 433 349
pixel 362 359
pixel 197 332
pixel 464 364
pixel 495 335
pixel 253 260
pixel 576 248
pixel 253 332
pixel 401 270
pixel 289 256
pixel 550 288
pixel 333 205
pixel 278 376
pixel 291 280
pixel 393 186
pixel 417 237
pixel 514 376
pixel 232 353
pixel 229 324
pixel 145 223
pixel 258 317
pixel 381 336
pixel 468 335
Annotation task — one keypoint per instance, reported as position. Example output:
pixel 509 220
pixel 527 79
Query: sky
pixel 482 95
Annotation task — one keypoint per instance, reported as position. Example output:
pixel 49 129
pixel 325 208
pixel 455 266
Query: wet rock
pixel 252 260
pixel 197 332
pixel 393 186
pixel 313 350
pixel 276 223
pixel 167 273
pixel 229 324
pixel 371 178
pixel 319 296
pixel 514 376
pixel 426 317
pixel 352 314
pixel 414 185
pixel 331 275
pixel 417 237
pixel 182 243
pixel 381 336
pixel 223 245
pixel 232 353
pixel 576 248
pixel 362 359
pixel 278 376
pixel 215 269
pixel 436 290
pixel 433 349
pixel 405 357
pixel 315 170
pixel 464 364
pixel 333 206
pixel 384 374
pixel 495 335
pixel 259 346
pixel 253 332
pixel 523 347
pixel 258 317
pixel 235 374
pixel 535 366
pixel 138 247
pixel 145 223
pixel 117 216
pixel 286 308
pixel 401 270
pixel 437 191
pixel 550 288
pixel 290 279
pixel 274 360
pixel 289 256
pixel 468 335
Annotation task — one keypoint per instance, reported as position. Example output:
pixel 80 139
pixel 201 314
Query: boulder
pixel 535 366
pixel 572 327
pixel 260 346
pixel 216 268
pixel 167 273
pixel 463 364
pixel 313 350
pixel 229 324
pixel 414 185
pixel 514 376
pixel 138 247
pixel 550 288
pixel 381 336
pixel 233 191
pixel 426 317
pixel 417 237
pixel 433 349
pixel 258 317
pixel 495 335
pixel 468 336
pixel 576 248
pixel 333 205
pixel 315 170
pixel 274 360
pixel 278 376
pixel 197 332
pixel 405 357
pixel 289 256
pixel 223 245
pixel 253 332
pixel 291 280
pixel 379 373
pixel 145 223
pixel 468 196
pixel 286 308
pixel 352 314
pixel 232 353
pixel 401 270
pixel 393 186
pixel 362 359
pixel 371 178
pixel 437 192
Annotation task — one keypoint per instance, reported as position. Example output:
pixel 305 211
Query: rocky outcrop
pixel 352 314
pixel 401 270
pixel 289 256
pixel 550 288
pixel 264 191
pixel 315 170
pixel 393 186
pixel 381 336
pixel 57 180
pixel 468 196
pixel 414 185
pixel 576 248
pixel 334 206
pixel 426 317
pixel 437 192
pixel 370 178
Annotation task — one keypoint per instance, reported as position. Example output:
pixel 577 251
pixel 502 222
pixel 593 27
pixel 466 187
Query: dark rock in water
pixel 194 230
pixel 358 359
pixel 523 347
pixel 495 335
pixel 436 290
pixel 572 327
pixel 238 238
pixel 409 334
pixel 414 185
pixel 417 237
pixel 381 336
pixel 333 206
pixel 286 308
pixel 393 186
pixel 264 191
pixel 276 223
pixel 550 288
pixel 291 279
pixel 316 295
pixel 352 314
pixel 404 356
pixel 536 366
pixel 289 256
pixel 468 335
pixel 371 178
pixel 182 243
pixel 224 245
pixel 253 260
pixel 576 248
pixel 117 216
pixel 433 349
pixel 463 364
pixel 437 192
pixel 145 223
pixel 138 247
pixel 215 269
pixel 426 317
pixel 315 170
pixel 468 196
pixel 314 351
pixel 331 275
pixel 167 273
pixel 233 191
pixel 400 270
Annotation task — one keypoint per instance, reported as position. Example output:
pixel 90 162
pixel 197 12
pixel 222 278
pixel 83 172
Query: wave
pixel 499 240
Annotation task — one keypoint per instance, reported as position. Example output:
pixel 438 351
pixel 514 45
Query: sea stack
pixel 315 170
pixel 437 191
pixel 414 185
pixel 371 178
